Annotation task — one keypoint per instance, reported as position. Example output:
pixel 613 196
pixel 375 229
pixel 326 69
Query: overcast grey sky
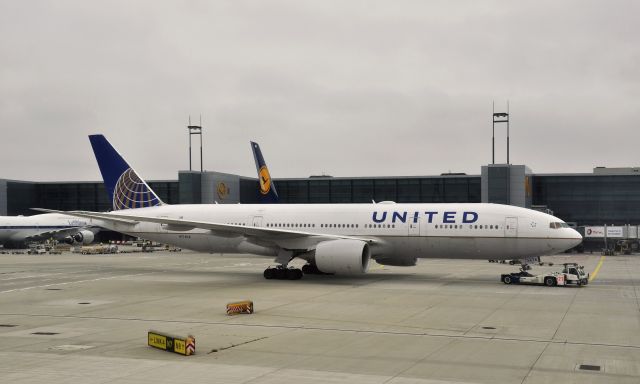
pixel 348 88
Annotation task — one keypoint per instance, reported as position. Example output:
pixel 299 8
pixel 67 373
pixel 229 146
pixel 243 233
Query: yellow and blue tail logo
pixel 268 193
pixel 125 188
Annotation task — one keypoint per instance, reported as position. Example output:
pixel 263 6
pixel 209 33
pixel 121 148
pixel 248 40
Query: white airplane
pixel 16 231
pixel 332 238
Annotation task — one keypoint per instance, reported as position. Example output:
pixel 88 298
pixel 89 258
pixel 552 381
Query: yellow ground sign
pixel 184 346
pixel 157 340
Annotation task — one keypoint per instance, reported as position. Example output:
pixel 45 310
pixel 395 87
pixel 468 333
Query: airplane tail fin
pixel 268 193
pixel 125 188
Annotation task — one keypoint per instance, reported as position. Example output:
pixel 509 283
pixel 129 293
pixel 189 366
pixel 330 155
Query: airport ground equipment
pixel 238 307
pixel 524 277
pixel 572 273
pixel 575 274
pixel 182 345
pixel 37 250
pixel 99 249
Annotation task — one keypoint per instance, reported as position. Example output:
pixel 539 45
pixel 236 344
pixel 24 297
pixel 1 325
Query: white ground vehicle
pixel 37 250
pixel 574 274
pixel 571 274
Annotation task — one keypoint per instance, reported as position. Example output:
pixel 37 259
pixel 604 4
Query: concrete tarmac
pixel 84 319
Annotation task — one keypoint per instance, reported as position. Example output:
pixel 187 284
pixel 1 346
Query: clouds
pixel 346 88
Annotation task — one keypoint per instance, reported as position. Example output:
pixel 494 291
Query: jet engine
pixel 347 257
pixel 81 237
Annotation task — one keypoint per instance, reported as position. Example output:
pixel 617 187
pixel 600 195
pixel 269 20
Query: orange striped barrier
pixel 238 307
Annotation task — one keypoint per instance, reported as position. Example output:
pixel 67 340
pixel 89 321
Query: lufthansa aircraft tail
pixel 125 188
pixel 268 193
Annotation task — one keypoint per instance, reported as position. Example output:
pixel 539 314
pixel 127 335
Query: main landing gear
pixel 285 273
pixel 282 273
pixel 311 269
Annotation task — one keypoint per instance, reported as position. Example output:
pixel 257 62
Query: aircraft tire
pixel 294 274
pixel 268 273
pixel 279 273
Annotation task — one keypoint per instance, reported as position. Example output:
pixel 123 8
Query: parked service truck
pixel 572 273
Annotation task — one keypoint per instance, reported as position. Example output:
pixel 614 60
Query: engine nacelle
pixel 349 257
pixel 81 237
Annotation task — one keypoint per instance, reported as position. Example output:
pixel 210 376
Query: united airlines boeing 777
pixel 332 238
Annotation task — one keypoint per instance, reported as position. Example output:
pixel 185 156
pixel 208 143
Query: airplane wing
pixel 55 233
pixel 287 239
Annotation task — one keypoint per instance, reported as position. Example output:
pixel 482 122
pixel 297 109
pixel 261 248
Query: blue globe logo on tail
pixel 132 192
pixel 125 188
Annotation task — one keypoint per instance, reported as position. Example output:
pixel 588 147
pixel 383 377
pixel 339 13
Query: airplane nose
pixel 576 237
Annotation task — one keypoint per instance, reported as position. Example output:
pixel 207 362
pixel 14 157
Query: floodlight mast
pixel 195 130
pixel 499 117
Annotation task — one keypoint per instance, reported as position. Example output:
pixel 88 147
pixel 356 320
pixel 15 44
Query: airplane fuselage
pixel 18 229
pixel 403 232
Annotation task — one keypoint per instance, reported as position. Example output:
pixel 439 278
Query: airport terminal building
pixel 608 196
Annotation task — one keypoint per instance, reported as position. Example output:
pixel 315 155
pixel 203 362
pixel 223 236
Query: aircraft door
pixel 257 221
pixel 511 227
pixel 162 228
pixel 414 228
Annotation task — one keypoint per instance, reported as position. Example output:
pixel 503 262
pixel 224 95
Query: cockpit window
pixel 556 225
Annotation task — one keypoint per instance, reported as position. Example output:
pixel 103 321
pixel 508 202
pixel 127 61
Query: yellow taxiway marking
pixel 595 272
